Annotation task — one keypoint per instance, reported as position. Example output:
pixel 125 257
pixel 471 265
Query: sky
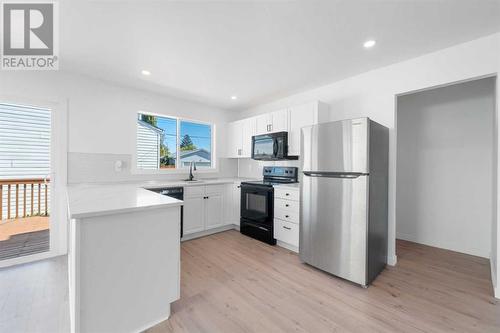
pixel 199 133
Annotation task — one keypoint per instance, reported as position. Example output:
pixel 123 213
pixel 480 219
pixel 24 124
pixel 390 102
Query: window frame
pixel 178 169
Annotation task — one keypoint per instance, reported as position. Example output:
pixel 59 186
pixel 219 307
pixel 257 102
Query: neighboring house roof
pixel 148 125
pixel 198 155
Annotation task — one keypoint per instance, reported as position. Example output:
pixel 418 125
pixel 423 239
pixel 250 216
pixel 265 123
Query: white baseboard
pixel 208 232
pixel 392 260
pixel 155 322
pixel 288 246
pixel 494 281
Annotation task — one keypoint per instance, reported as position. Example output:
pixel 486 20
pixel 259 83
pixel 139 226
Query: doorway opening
pixel 25 184
pixel 444 173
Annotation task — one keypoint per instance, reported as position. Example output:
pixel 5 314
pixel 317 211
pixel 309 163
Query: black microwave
pixel 271 147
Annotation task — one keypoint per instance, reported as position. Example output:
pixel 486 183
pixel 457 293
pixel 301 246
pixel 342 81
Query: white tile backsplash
pixel 98 168
pixel 253 169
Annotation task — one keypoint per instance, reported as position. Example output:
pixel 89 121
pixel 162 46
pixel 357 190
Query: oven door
pixel 257 203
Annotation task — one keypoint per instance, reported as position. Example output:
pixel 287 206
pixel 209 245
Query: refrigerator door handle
pixel 348 175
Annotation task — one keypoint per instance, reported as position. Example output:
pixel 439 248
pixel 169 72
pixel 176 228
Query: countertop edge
pixel 79 216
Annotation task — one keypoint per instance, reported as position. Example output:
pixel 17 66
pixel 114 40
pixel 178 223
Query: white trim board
pixel 392 260
pixel 494 281
pixel 208 232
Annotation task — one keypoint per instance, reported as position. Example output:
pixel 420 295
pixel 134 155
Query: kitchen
pixel 235 268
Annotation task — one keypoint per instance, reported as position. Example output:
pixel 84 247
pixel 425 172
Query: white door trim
pixel 58 170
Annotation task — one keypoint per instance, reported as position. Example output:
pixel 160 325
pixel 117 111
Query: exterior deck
pixel 24 236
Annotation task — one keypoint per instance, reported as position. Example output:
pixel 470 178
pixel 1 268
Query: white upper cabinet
pixel 239 141
pixel 246 133
pixel 304 115
pixel 235 139
pixel 279 121
pixel 276 121
pixel 263 124
pixel 289 120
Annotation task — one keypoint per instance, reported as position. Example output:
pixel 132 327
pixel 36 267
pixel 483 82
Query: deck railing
pixel 24 197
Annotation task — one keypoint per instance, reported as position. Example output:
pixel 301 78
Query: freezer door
pixel 333 229
pixel 340 146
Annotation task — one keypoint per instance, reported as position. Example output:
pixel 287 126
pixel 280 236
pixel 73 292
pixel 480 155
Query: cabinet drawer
pixel 285 193
pixel 287 205
pixel 286 215
pixel 286 232
pixel 194 191
pixel 214 189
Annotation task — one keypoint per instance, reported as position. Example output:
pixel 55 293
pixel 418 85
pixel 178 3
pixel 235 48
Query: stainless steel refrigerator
pixel 343 216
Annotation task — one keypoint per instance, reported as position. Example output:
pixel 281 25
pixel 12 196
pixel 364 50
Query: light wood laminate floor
pixel 232 283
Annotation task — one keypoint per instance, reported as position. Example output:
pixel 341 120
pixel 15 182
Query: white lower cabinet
pixel 286 217
pixel 213 211
pixel 286 232
pixel 210 206
pixel 232 195
pixel 193 215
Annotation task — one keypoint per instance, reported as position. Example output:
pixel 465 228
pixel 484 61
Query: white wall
pixel 373 93
pixel 444 167
pixel 102 121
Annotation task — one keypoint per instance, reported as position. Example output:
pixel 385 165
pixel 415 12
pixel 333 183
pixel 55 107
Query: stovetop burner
pixel 268 182
pixel 276 176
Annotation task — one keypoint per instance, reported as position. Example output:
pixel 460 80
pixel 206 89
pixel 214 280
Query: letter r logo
pixel 28 29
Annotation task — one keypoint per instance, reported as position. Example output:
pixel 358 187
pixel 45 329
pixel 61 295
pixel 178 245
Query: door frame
pixel 58 225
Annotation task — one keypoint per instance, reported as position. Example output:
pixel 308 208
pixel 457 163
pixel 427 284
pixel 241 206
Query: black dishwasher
pixel 176 193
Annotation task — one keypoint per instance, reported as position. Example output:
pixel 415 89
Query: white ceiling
pixel 258 50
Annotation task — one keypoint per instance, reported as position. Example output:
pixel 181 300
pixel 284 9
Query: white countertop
pixel 183 183
pixel 291 185
pixel 88 200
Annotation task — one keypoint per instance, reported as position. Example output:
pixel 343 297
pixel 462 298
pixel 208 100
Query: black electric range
pixel 257 202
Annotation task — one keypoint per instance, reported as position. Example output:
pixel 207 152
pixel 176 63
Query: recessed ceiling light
pixel 369 44
pixel 234 97
pixel 145 72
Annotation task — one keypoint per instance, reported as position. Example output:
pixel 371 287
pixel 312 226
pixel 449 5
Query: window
pixel 172 143
pixel 195 145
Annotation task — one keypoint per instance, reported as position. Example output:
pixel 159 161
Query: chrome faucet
pixel 191 169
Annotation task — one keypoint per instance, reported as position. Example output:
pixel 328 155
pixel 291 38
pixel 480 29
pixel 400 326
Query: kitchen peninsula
pixel 124 257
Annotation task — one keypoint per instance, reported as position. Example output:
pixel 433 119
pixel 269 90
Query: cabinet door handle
pixel 287 194
pixel 287 228
pixel 270 127
pixel 287 205
pixel 287 216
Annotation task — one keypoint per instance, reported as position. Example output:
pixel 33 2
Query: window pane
pixel 156 142
pixel 195 144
